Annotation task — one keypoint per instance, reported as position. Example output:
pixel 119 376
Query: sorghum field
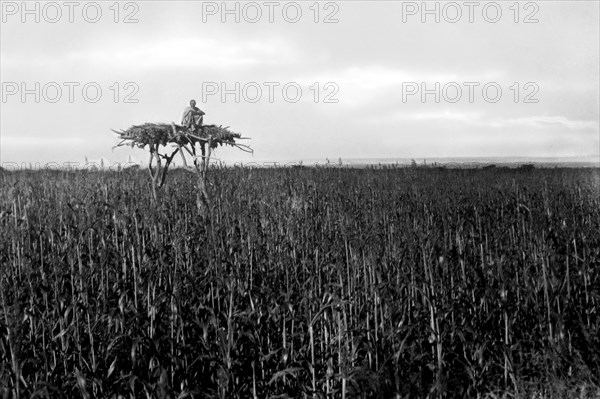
pixel 303 282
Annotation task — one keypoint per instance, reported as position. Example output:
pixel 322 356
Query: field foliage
pixel 304 282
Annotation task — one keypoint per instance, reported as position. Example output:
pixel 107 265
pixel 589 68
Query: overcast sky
pixel 509 80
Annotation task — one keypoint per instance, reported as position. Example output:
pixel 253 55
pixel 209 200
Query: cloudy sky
pixel 305 80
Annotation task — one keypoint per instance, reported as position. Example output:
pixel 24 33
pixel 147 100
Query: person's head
pixel 192 103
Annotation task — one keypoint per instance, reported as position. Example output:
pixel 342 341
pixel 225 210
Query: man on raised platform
pixel 192 116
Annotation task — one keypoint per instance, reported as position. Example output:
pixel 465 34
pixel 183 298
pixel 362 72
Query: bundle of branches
pixel 218 135
pixel 155 134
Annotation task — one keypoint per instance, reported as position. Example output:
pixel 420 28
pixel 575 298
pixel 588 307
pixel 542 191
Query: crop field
pixel 301 283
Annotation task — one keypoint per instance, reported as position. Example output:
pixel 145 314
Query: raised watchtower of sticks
pixel 179 139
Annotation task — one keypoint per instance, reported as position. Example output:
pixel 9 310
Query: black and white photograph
pixel 300 199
